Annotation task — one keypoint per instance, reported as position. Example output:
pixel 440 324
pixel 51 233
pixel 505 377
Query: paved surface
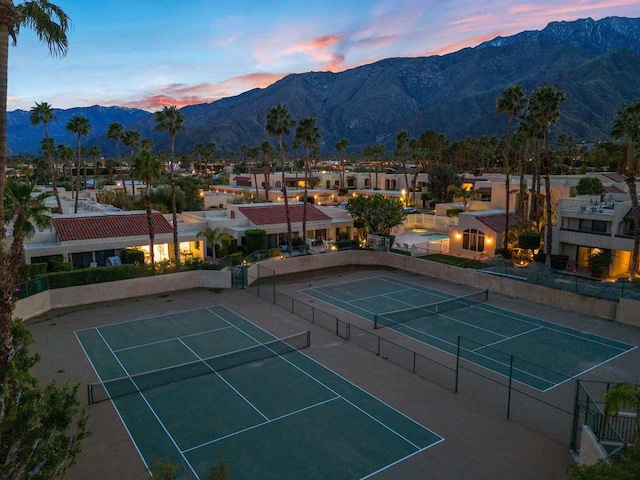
pixel 480 443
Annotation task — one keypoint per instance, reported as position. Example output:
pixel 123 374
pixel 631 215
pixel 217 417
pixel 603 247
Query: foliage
pixel 379 213
pixel 599 264
pixel 529 240
pixel 228 245
pixel 454 212
pixel 119 199
pixel 624 467
pixel 41 429
pixel 32 270
pixel 161 197
pixel 247 196
pixel 191 187
pixel 132 256
pixel 456 261
pixel 589 186
pixel 621 395
pixel 213 237
pixel 440 177
pixel 256 239
pixel 347 244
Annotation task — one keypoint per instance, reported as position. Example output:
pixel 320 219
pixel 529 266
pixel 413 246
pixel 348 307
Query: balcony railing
pixel 586 206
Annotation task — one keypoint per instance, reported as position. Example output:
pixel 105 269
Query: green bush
pixel 236 258
pixel 132 256
pixel 529 240
pixel 347 244
pixel 343 191
pixel 29 271
pixel 454 212
pixel 599 264
pixel 256 239
pixel 228 245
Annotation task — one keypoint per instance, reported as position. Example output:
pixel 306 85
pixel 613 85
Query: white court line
pixel 150 317
pixel 150 407
pixel 170 339
pixel 225 381
pixel 135 445
pixel 505 339
pixel 337 394
pixel 224 437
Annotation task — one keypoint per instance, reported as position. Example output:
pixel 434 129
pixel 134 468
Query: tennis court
pixel 198 386
pixel 534 352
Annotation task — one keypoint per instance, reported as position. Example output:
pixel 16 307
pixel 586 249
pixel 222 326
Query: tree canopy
pixel 379 213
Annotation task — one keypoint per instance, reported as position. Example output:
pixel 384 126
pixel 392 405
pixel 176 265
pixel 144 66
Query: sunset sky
pixel 150 53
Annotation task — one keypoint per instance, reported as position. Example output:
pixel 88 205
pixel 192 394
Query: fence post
pixel 576 413
pixel 455 390
pixel 510 383
pixel 378 352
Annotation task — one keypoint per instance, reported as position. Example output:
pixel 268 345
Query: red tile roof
pixel 111 226
pixel 616 177
pixel 275 214
pixel 497 222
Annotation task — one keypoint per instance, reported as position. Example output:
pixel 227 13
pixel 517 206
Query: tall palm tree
pixel 130 139
pixel 544 106
pixel 50 23
pixel 115 131
pixel 267 150
pixel 278 123
pixel 171 120
pixel 511 101
pixel 401 151
pixel 626 125
pixel 80 126
pixel 94 152
pixel 65 155
pixel 148 169
pixel 341 145
pixel 307 135
pixel 43 113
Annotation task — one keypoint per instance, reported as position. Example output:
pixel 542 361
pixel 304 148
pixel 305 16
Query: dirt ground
pixel 480 442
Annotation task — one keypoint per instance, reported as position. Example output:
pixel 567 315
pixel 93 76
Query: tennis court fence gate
pixel 553 413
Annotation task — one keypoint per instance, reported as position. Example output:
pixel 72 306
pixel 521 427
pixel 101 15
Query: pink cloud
pixel 182 95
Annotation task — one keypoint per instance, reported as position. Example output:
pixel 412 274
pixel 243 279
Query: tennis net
pixel 118 387
pixel 395 317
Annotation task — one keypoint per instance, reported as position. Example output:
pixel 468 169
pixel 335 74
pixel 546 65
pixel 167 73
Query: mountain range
pixel 595 63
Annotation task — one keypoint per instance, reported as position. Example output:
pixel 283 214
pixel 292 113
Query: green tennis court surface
pixel 532 351
pixel 222 387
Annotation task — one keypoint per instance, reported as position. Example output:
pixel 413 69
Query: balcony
pixel 586 206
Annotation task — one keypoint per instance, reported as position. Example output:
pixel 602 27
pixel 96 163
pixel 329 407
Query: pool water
pixel 431 237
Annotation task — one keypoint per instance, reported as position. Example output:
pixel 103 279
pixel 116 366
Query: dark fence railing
pixel 502 389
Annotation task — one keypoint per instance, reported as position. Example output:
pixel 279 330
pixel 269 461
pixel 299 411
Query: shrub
pixel 132 256
pixel 454 212
pixel 343 191
pixel 29 271
pixel 256 239
pixel 599 264
pixel 529 240
pixel 347 244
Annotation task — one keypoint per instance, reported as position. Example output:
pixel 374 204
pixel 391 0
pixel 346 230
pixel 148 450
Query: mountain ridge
pixel 595 63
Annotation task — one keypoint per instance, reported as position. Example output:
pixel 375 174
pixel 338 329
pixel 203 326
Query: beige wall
pixel 89 294
pixel 473 278
pixel 626 311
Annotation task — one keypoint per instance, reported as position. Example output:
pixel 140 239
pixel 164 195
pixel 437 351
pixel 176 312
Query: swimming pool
pixel 433 237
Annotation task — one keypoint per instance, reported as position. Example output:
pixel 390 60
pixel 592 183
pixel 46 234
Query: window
pixel 473 240
pixel 595 226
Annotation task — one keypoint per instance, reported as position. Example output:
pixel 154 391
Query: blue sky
pixel 150 53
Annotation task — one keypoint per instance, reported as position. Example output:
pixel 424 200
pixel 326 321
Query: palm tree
pixel 130 139
pixel 94 152
pixel 512 101
pixel 115 131
pixel 50 24
pixel 148 168
pixel 341 145
pixel 544 107
pixel 278 122
pixel 619 396
pixel 171 120
pixel 401 151
pixel 267 150
pixel 65 155
pixel 461 193
pixel 212 237
pixel 307 134
pixel 626 125
pixel 81 127
pixel 43 113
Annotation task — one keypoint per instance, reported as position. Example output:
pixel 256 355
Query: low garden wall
pixel 87 294
pixel 466 276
